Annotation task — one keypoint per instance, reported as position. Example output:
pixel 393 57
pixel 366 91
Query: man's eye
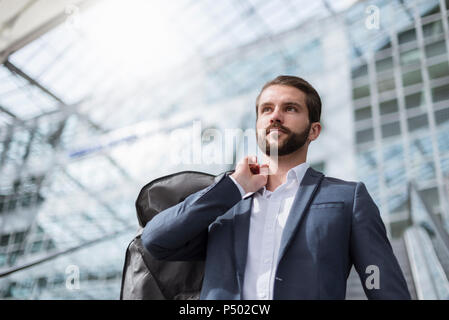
pixel 265 108
pixel 292 108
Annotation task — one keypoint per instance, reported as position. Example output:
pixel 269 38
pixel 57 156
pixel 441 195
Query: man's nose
pixel 276 116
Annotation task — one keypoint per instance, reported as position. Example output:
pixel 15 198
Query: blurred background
pixel 98 98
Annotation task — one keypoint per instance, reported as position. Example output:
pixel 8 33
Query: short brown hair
pixel 313 99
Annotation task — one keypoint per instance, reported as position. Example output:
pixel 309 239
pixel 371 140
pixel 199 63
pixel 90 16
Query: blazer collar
pixel 306 190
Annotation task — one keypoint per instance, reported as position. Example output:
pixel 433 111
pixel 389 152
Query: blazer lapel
pixel 241 229
pixel 306 190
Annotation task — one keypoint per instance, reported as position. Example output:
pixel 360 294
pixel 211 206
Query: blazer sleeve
pixel 371 251
pixel 179 233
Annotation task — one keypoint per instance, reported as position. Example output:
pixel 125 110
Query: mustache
pixel 277 126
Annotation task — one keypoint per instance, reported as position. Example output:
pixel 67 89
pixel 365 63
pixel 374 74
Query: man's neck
pixel 278 170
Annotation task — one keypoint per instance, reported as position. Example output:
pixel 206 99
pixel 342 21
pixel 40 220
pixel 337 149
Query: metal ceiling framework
pixel 53 140
pixel 22 21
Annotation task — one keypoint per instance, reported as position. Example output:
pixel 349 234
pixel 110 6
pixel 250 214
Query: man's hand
pixel 250 175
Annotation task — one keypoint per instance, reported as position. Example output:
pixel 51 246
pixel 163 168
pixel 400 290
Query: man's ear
pixel 315 130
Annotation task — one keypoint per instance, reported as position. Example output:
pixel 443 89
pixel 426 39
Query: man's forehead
pixel 282 93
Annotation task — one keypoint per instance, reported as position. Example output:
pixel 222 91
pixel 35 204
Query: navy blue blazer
pixel 333 224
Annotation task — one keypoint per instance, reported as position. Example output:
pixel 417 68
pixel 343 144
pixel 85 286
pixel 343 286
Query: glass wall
pixel 400 99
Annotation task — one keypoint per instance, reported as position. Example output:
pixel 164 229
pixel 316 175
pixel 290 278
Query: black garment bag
pixel 146 278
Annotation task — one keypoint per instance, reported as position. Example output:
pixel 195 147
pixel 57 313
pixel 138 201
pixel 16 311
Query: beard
pixel 292 142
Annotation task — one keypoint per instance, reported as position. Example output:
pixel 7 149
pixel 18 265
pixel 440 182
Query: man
pixel 281 230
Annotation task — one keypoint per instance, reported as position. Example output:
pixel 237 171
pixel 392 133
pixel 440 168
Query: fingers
pixel 251 159
pixel 254 169
pixel 251 163
pixel 264 169
pixel 248 174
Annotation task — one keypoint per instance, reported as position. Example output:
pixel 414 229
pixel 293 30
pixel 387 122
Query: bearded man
pixel 280 229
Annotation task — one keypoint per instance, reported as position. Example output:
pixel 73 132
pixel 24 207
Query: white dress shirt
pixel 269 213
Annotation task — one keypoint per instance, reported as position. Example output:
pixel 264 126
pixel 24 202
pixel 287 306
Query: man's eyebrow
pixel 285 103
pixel 293 103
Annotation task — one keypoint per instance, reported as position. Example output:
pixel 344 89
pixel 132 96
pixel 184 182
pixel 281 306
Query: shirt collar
pixel 296 173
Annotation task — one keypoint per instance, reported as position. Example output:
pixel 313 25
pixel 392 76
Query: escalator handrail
pixel 441 233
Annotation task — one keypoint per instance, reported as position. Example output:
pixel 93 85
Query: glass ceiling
pixel 114 43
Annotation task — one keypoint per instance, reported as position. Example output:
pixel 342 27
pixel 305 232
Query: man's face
pixel 283 119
